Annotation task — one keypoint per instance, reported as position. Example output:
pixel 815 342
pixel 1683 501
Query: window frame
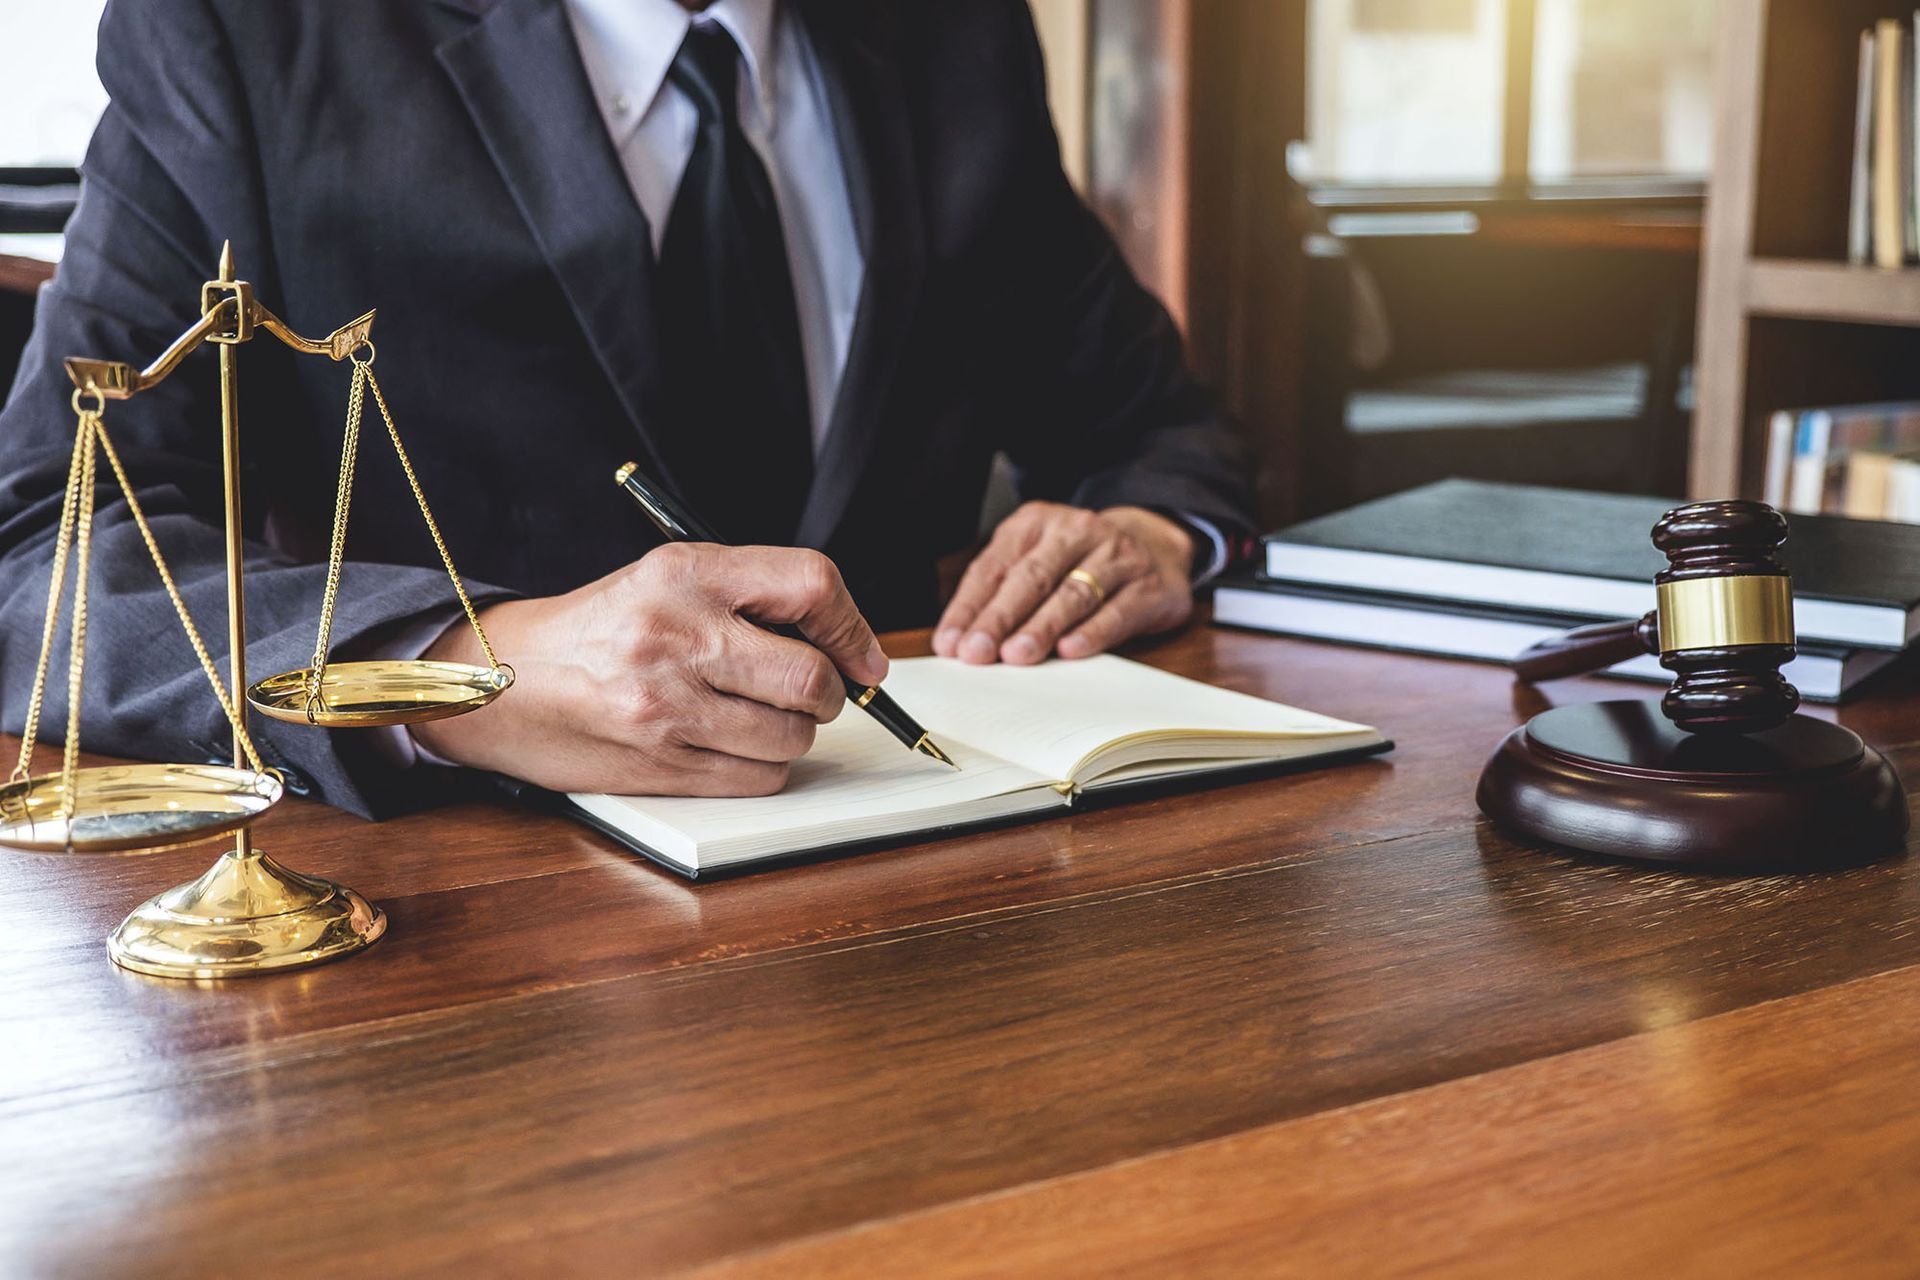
pixel 1515 189
pixel 36 199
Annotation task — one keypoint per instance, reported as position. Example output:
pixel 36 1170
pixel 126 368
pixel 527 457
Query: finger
pixel 1028 582
pixel 796 585
pixel 1012 540
pixel 749 730
pixel 1143 605
pixel 977 585
pixel 779 672
pixel 1114 564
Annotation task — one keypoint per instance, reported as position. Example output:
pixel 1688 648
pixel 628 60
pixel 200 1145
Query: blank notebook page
pixel 1050 718
pixel 858 780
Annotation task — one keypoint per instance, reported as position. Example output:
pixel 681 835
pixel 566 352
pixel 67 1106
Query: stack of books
pixel 1883 226
pixel 1858 460
pixel 1470 569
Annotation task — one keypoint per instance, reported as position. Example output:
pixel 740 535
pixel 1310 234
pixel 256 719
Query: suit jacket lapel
pixel 855 50
pixel 518 70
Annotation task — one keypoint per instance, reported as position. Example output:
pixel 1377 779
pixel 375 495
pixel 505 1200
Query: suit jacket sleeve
pixel 1103 410
pixel 170 174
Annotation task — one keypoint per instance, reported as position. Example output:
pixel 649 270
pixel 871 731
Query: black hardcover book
pixel 1589 555
pixel 1485 633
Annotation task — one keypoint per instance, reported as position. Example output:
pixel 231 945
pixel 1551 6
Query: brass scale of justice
pixel 247 914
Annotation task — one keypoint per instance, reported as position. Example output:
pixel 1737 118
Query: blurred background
pixel 1412 238
pixel 1406 238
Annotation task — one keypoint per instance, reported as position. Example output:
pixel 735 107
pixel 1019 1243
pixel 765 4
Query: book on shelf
pixel 1883 216
pixel 1859 216
pixel 1854 460
pixel 1485 633
pixel 1029 742
pixel 1588 556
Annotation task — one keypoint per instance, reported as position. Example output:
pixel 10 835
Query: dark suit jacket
pixel 442 160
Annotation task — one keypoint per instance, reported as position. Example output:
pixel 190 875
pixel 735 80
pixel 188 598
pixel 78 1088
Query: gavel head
pixel 1725 617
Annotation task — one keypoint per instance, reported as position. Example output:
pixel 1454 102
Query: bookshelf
pixel 1784 320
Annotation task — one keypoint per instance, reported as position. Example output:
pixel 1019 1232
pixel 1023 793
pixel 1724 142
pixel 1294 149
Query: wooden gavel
pixel 1723 625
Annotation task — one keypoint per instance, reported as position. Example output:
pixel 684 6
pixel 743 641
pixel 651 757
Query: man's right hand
pixel 654 681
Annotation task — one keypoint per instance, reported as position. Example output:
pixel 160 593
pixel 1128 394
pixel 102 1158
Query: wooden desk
pixel 1319 1025
pixel 23 275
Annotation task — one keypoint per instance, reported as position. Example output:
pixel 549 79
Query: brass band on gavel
pixel 1723 613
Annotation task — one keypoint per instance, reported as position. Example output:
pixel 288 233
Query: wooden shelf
pixel 1815 290
pixel 1785 321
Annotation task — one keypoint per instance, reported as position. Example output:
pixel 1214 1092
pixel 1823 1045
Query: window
pixel 1437 92
pixel 1622 87
pixel 50 97
pixel 1405 90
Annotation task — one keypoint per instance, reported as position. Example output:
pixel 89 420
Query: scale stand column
pixel 247 914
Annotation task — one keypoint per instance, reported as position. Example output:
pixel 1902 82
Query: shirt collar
pixel 751 24
pixel 627 47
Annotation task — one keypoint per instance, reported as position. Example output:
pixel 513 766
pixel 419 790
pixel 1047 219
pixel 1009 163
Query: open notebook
pixel 1027 740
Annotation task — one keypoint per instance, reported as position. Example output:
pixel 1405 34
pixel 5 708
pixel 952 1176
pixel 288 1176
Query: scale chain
pixel 56 591
pixel 77 641
pixel 227 705
pixel 73 546
pixel 337 547
pixel 363 380
pixel 433 526
pixel 74 543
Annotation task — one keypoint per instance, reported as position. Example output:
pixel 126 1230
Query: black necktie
pixel 739 436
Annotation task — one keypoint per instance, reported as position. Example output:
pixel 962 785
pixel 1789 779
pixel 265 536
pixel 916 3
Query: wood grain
pixel 561 1059
pixel 23 275
pixel 1814 290
pixel 1651 1155
pixel 684 1116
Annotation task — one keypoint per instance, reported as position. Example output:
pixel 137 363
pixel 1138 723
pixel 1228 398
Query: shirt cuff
pixel 1211 551
pixel 395 743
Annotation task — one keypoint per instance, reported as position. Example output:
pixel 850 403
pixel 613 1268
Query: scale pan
pixel 362 695
pixel 133 808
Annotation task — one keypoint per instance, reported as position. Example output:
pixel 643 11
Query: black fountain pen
pixel 676 524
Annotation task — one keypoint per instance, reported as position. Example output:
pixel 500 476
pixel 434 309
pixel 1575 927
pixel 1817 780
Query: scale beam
pixel 237 314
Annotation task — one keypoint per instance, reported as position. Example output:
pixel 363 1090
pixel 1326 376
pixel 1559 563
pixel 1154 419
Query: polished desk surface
pixel 1324 1024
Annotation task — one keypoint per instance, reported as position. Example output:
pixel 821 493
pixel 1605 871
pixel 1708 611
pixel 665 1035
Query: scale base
pixel 1618 778
pixel 247 915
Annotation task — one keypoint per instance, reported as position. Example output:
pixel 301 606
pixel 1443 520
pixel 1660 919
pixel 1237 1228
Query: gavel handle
pixel 1585 649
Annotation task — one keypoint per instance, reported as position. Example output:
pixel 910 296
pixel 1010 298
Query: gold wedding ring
pixel 1091 583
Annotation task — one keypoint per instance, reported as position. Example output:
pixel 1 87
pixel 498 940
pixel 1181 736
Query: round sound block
pixel 1619 778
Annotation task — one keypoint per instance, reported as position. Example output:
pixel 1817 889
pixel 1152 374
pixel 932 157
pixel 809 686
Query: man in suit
pixel 811 262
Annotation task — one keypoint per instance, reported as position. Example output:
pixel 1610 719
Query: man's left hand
pixel 1058 579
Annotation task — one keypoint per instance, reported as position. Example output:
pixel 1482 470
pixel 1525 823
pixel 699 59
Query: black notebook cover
pixel 1846 655
pixel 1094 797
pixel 1606 535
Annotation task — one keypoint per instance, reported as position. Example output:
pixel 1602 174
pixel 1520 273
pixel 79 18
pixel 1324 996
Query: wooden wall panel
pixel 1139 122
pixel 1193 106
